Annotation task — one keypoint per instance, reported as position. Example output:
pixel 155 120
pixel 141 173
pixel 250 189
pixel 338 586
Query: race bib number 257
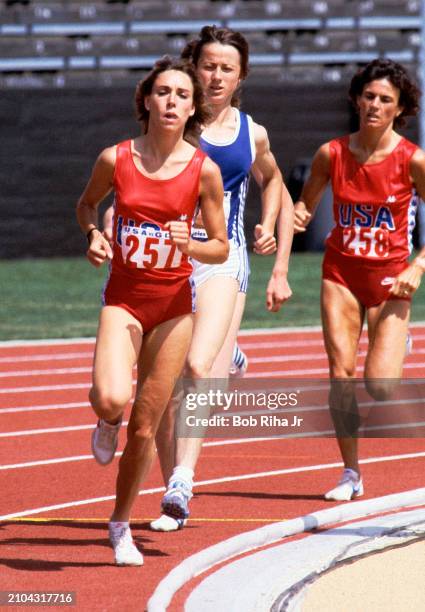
pixel 147 248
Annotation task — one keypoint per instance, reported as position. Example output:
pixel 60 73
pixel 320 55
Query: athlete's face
pixel 170 103
pixel 219 69
pixel 379 104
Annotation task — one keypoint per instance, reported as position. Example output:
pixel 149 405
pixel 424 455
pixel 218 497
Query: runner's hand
pixel 301 217
pixel 265 242
pixel 277 292
pixel 179 234
pixel 99 249
pixel 407 282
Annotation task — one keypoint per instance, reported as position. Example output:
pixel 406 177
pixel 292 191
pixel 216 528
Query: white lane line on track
pixel 42 388
pixel 309 357
pixel 315 371
pixel 46 372
pixel 87 370
pixel 17 466
pixel 246 346
pixel 255 331
pixel 45 407
pixel 253 345
pixel 282 411
pixel 310 434
pixel 279 358
pixel 224 479
pixel 308 328
pixel 60 406
pixel 47 342
pixel 306 343
pixel 77 370
pixel 13 466
pixel 261 374
pixel 46 357
pixel 246 332
pixel 33 432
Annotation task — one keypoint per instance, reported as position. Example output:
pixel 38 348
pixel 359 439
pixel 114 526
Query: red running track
pixel 56 499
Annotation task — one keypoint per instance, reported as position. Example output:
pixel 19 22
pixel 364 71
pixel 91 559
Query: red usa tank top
pixel 142 247
pixel 374 205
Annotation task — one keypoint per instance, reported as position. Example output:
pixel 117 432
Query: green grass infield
pixel 61 297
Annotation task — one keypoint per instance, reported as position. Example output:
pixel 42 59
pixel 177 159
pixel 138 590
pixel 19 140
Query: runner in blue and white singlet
pixel 239 146
pixel 234 158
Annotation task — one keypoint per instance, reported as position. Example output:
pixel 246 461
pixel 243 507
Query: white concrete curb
pixel 278 578
pixel 207 558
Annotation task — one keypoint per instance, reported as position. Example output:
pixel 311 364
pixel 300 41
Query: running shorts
pixel 236 266
pixel 369 281
pixel 146 303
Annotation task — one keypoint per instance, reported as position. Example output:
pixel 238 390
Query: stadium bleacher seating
pixel 68 71
pixel 62 41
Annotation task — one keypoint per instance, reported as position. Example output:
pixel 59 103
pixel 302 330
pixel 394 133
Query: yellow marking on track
pixel 274 456
pixel 140 520
pixel 26 519
pixel 236 520
pixel 235 456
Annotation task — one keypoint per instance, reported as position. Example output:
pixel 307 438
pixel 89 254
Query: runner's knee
pixel 381 389
pixel 198 367
pixel 142 435
pixel 108 403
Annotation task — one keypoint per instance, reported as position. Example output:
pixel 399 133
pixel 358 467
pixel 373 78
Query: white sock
pixel 352 473
pixel 184 473
pixel 118 525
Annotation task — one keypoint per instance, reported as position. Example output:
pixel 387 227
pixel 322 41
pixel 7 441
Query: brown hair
pixel 144 88
pixel 224 36
pixel 399 77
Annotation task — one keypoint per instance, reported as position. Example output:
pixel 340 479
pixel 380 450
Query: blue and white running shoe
pixel 175 502
pixel 349 487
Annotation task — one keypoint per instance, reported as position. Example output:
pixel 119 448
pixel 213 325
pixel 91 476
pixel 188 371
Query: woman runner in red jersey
pixel 158 178
pixel 375 174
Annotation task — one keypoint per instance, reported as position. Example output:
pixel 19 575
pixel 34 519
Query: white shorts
pixel 236 266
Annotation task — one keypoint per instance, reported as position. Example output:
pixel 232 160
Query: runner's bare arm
pixel 108 224
pixel 408 281
pixel 269 179
pixel 97 188
pixel 278 289
pixel 313 189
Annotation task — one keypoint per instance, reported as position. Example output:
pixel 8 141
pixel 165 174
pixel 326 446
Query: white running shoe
pixel 349 487
pixel 238 371
pixel 104 441
pixel 124 547
pixel 167 523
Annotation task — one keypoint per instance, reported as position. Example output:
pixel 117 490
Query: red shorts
pixel 151 303
pixel 369 281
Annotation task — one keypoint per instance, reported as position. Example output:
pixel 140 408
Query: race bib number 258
pixel 366 241
pixel 147 248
